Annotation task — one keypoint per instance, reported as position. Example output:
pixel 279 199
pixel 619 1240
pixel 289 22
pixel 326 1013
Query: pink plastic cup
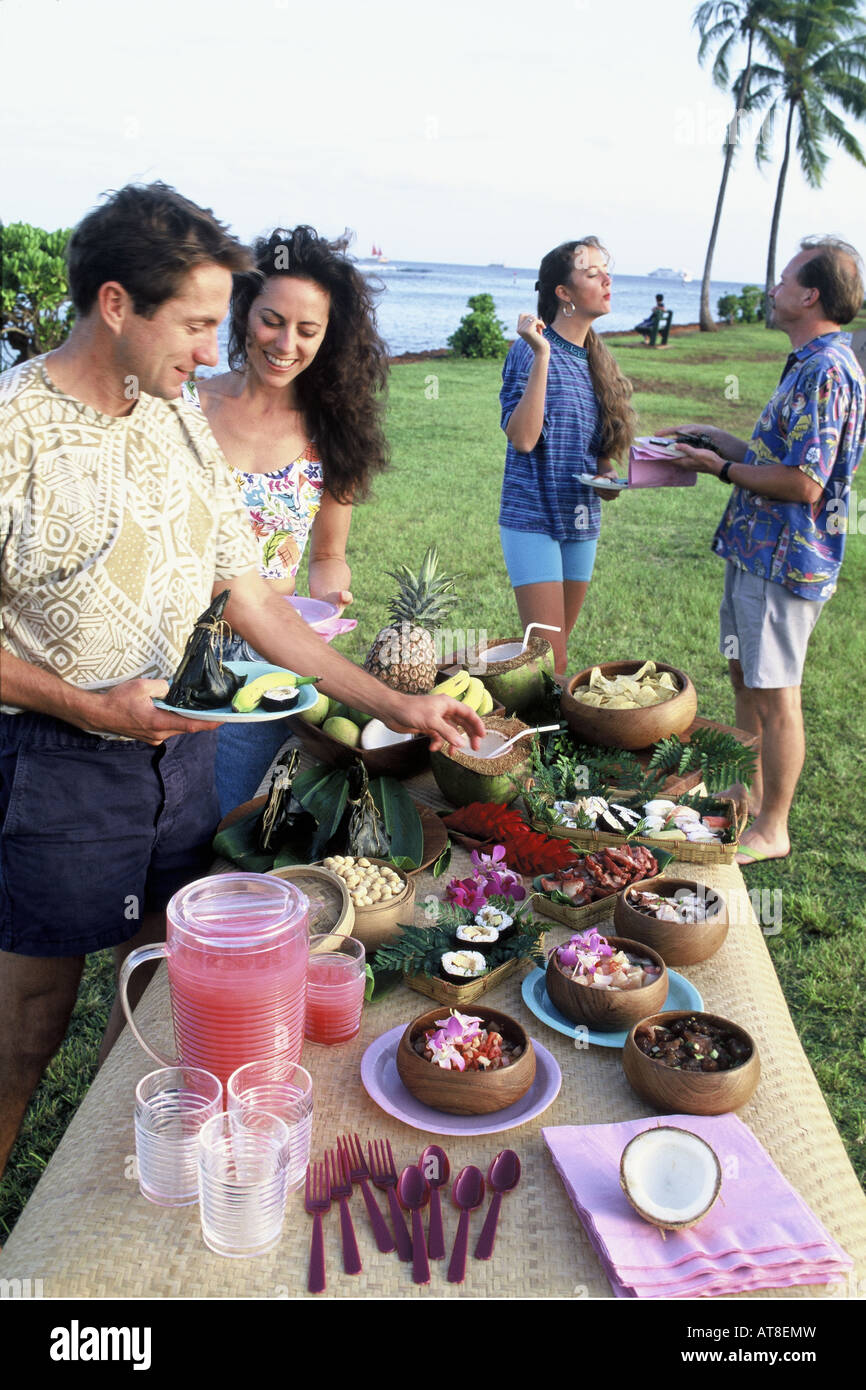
pixel 335 988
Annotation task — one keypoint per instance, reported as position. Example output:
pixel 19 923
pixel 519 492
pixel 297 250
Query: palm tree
pixel 821 59
pixel 727 23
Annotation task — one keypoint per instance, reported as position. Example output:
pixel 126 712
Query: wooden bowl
pixel 607 1009
pixel 379 923
pixel 692 1092
pixel 399 760
pixel 629 728
pixel 678 943
pixel 466 1092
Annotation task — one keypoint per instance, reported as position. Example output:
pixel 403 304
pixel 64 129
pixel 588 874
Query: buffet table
pixel 87 1231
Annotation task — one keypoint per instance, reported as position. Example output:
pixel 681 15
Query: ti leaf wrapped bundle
pixel 201 681
pixel 366 831
pixel 284 820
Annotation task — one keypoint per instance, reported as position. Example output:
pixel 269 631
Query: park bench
pixel 660 327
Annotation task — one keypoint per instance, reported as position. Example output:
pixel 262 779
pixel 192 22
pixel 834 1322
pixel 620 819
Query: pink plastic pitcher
pixel 237 961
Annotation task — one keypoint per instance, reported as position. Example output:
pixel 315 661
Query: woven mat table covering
pixel 87 1231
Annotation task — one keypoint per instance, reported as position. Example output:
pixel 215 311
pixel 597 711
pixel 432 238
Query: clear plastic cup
pixel 171 1105
pixel 242 1168
pixel 336 968
pixel 283 1088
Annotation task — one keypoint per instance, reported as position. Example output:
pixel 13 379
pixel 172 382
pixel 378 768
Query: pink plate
pixel 312 610
pixel 383 1085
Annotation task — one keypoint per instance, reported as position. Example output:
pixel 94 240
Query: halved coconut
pixel 375 734
pixel 517 681
pixel 671 1177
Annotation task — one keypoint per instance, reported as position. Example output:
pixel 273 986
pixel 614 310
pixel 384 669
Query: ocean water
pixel 422 303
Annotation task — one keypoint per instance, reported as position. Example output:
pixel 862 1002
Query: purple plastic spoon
pixel 503 1175
pixel 437 1170
pixel 413 1190
pixel 468 1193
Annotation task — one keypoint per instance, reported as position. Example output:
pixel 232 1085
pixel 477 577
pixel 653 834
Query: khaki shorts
pixel 766 628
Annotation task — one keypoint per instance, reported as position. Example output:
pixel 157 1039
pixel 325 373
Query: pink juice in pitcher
pixel 335 995
pixel 236 952
pixel 228 1009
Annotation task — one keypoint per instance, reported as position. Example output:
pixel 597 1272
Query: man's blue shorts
pixel 95 832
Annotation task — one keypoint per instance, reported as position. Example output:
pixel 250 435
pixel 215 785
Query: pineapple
pixel 404 654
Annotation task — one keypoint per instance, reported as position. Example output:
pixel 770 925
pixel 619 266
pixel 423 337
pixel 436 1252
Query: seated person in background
pixel 300 421
pixel 646 325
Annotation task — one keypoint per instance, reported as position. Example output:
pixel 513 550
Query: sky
pixel 465 131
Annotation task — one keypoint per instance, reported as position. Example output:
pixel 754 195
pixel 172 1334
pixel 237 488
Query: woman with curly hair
pixel 565 411
pixel 299 418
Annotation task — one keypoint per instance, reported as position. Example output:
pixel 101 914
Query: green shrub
pixel 729 307
pixel 480 334
pixel 752 304
pixel 747 307
pixel 36 312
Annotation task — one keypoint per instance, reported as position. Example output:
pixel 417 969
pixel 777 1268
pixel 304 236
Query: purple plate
pixel 382 1083
pixel 312 610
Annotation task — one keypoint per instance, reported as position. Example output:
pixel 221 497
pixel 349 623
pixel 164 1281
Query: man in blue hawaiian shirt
pixel 783 532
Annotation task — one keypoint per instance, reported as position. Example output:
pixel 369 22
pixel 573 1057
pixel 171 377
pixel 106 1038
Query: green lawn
pixel 655 593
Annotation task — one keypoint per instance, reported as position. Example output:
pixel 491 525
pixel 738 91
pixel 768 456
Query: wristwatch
pixel 725 470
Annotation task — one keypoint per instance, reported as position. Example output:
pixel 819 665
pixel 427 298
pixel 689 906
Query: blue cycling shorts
pixel 532 558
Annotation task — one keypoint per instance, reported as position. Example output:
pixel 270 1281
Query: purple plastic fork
pixel 356 1166
pixel 317 1200
pixel 383 1173
pixel 341 1188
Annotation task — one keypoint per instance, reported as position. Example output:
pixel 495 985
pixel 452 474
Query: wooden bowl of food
pixel 382 896
pixel 612 1008
pixel 473 1091
pixel 702 911
pixel 630 728
pixel 398 760
pixel 721 1060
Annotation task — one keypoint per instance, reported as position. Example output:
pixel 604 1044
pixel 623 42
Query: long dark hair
pixel 342 392
pixel 612 389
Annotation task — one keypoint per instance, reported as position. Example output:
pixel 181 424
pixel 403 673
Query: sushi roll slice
pixel 477 936
pixel 490 916
pixel 281 697
pixel 460 966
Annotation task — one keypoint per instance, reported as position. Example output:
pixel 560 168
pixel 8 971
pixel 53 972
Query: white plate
pixel 224 714
pixel 606 484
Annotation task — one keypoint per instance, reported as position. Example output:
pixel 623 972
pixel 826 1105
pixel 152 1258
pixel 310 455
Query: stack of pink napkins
pixel 648 466
pixel 759 1235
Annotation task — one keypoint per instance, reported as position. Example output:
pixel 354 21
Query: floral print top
pixel 816 421
pixel 282 506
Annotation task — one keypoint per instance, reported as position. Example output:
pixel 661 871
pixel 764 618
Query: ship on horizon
pixel 666 272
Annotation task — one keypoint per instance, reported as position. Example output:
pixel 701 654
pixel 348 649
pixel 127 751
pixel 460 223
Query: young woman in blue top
pixel 565 410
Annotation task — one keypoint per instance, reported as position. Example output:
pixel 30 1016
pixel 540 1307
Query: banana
pixel 456 686
pixel 474 693
pixel 486 706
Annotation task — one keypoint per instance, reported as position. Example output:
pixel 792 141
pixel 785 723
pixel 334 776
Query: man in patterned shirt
pixel 783 533
pixel 118 524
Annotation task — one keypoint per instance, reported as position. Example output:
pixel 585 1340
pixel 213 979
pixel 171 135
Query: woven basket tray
pixel 456 996
pixel 685 851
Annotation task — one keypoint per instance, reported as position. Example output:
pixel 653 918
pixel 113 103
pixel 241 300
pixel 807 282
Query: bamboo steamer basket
pixel 330 907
